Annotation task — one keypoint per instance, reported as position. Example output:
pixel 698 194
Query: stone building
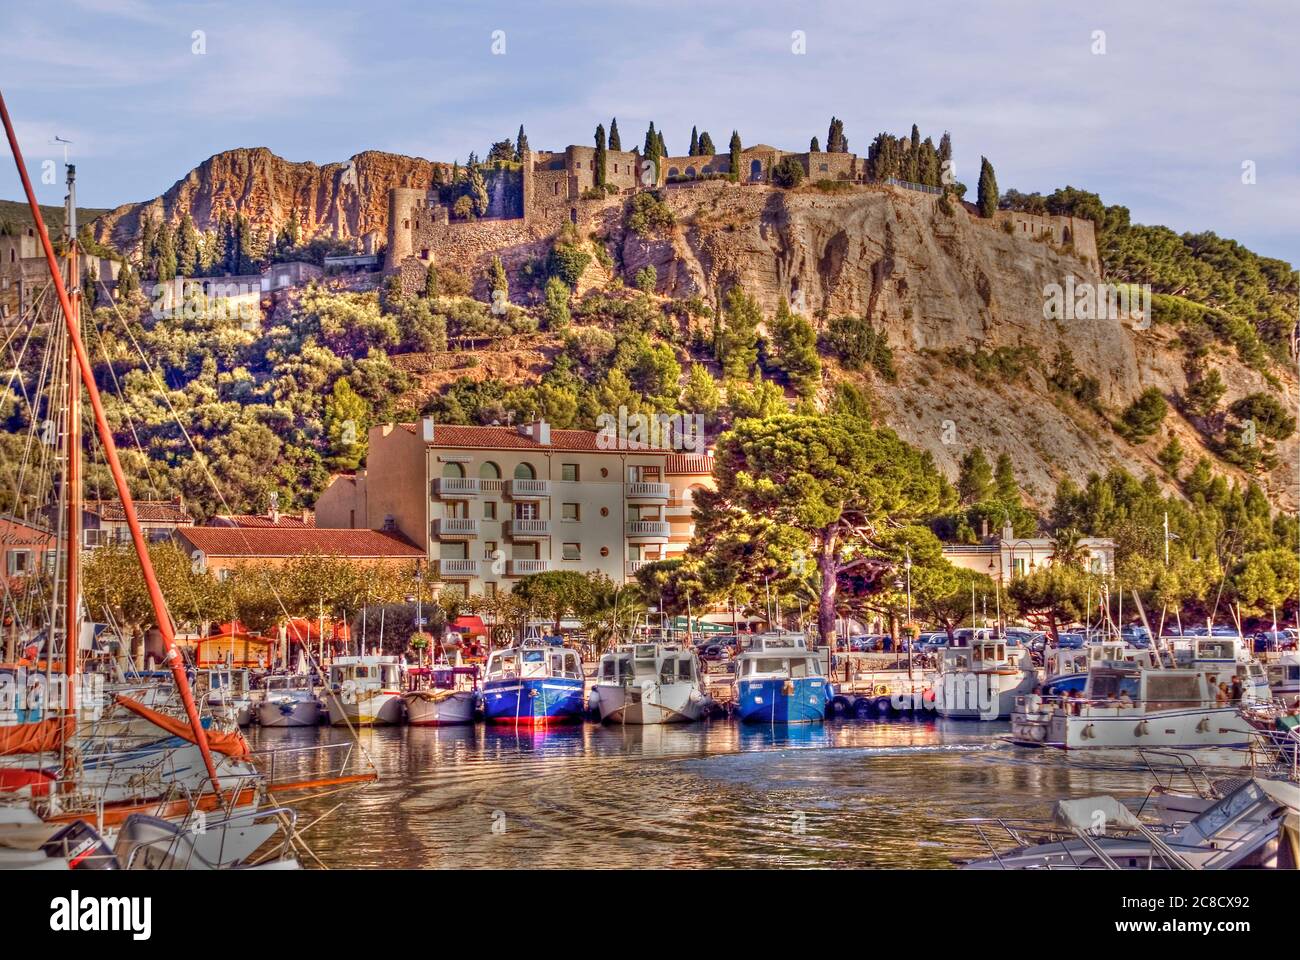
pixel 25 277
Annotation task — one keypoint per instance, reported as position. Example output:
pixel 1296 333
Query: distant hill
pixel 17 214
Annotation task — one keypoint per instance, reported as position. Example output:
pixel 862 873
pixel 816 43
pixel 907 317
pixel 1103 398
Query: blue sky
pixel 1162 121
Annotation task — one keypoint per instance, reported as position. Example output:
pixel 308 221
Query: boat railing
pixel 196 825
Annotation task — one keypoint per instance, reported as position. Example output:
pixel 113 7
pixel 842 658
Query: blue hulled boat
pixel 533 683
pixel 779 680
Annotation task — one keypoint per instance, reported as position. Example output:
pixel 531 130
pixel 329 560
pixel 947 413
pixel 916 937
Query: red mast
pixel 114 465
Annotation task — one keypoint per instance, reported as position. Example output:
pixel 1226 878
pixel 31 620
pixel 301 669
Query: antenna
pixel 66 143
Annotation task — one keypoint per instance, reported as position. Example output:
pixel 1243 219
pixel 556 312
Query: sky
pixel 1153 105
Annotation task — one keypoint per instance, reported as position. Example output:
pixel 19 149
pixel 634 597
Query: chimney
pixel 984 528
pixel 1008 532
pixel 539 431
pixel 428 429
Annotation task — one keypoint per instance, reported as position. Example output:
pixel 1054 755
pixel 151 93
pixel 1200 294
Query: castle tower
pixel 526 175
pixel 402 204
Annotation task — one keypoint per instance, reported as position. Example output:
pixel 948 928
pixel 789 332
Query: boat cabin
pixel 986 654
pixel 224 681
pixel 533 662
pixel 284 682
pixel 1127 689
pixel 384 672
pixel 779 655
pixel 669 663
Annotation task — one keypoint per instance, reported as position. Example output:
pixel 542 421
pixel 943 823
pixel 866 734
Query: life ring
pixel 882 689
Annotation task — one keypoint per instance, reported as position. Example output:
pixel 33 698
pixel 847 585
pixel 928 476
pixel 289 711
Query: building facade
pixel 493 504
pixel 1007 556
pixel 225 549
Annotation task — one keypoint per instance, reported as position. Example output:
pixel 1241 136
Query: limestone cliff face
pixel 937 283
pixel 341 200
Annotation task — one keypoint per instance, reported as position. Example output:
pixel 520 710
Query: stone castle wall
pixel 1061 230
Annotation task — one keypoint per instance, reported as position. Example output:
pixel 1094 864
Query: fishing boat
pixel 227 692
pixel 979 678
pixel 1284 679
pixel 533 683
pixel 1127 707
pixel 288 701
pixel 1223 656
pixel 365 691
pixel 779 680
pixel 647 683
pixel 441 695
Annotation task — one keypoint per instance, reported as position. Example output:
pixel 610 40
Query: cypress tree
pixel 695 143
pixel 814 146
pixel 601 156
pixel 127 284
pixel 651 142
pixel 187 248
pixel 165 264
pixel 500 284
pixel 614 142
pixel 148 242
pixel 431 282
pixel 945 147
pixel 988 189
pixel 735 156
pixel 707 149
pixel 521 143
pixel 663 147
pixel 916 138
pixel 835 140
pixel 478 192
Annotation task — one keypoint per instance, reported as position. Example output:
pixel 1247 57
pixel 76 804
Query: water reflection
pixel 716 794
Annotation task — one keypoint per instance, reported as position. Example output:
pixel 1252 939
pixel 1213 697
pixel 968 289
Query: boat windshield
pixel 1213 820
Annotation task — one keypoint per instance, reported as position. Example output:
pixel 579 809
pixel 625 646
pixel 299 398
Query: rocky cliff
pixel 339 200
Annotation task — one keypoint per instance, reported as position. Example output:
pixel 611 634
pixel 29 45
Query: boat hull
pixel 650 703
pixel 372 709
pixel 285 712
pixel 539 701
pixel 1119 732
pixel 980 695
pixel 426 710
pixel 778 700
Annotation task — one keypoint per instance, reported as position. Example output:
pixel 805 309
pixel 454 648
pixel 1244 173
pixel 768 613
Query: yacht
pixel 779 680
pixel 227 693
pixel 1223 656
pixel 1284 678
pixel 533 682
pixel 650 683
pixel 288 701
pixel 979 678
pixel 441 695
pixel 365 691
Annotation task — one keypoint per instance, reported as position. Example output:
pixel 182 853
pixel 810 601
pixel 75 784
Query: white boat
pixel 365 691
pixel 979 678
pixel 1128 707
pixel 1284 678
pixel 288 701
pixel 227 693
pixel 1222 657
pixel 646 683
pixel 441 696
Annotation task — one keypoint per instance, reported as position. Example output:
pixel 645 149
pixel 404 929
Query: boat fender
pixel 840 706
pixel 1037 732
pixel 695 696
pixel 1088 732
pixel 1141 729
pixel 881 706
pixel 862 708
pixel 1204 725
pixel 787 688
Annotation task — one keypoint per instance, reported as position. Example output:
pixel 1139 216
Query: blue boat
pixel 779 680
pixel 533 684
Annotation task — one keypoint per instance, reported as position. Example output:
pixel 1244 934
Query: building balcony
pixel 526 529
pixel 458 569
pixel 632 566
pixel 648 529
pixel 522 568
pixel 456 487
pixel 646 490
pixel 455 527
pixel 528 489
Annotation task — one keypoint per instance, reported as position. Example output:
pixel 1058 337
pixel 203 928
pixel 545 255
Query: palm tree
pixel 1066 547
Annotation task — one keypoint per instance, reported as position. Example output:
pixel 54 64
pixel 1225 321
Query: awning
pixel 470 626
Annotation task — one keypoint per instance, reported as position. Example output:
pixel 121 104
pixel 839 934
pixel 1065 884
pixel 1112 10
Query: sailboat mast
pixel 72 475
pixel 156 600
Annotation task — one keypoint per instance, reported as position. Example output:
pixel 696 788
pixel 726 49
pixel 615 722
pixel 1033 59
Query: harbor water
pixel 846 793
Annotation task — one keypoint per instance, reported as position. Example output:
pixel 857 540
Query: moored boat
pixel 533 683
pixel 441 696
pixel 288 701
pixel 779 680
pixel 980 679
pixel 365 691
pixel 648 683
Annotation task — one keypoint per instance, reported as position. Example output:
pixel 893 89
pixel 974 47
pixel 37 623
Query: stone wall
pixel 1060 230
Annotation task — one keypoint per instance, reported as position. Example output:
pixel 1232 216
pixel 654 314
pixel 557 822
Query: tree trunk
pixel 829 569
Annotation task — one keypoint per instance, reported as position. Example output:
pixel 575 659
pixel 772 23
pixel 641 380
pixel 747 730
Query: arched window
pixel 453 471
pixel 672 171
pixel 690 172
pixel 525 471
pixel 489 471
pixel 756 170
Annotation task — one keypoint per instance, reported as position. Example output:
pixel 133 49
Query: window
pixel 489 509
pixel 489 471
pixel 569 472
pixel 424 254
pixel 19 562
pixel 525 471
pixel 526 511
pixel 570 511
pixel 489 549
pixel 453 471
pixel 490 589
pixel 572 551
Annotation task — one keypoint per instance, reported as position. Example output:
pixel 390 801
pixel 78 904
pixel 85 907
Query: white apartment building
pixel 493 504
pixel 1007 556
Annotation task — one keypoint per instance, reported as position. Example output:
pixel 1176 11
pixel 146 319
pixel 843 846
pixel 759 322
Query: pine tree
pixel 814 146
pixel 988 189
pixel 740 335
pixel 614 142
pixel 707 149
pixel 1005 487
pixel 975 479
pixel 601 159
pixel 796 350
pixel 735 156
pixel 521 143
pixel 187 248
pixel 701 394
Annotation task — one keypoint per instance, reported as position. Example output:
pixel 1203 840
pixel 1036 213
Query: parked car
pixel 716 652
pixel 1070 641
pixel 932 642
pixel 1275 640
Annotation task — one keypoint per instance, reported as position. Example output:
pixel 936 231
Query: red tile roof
pixel 509 438
pixel 685 464
pixel 262 521
pixel 148 511
pixel 290 542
